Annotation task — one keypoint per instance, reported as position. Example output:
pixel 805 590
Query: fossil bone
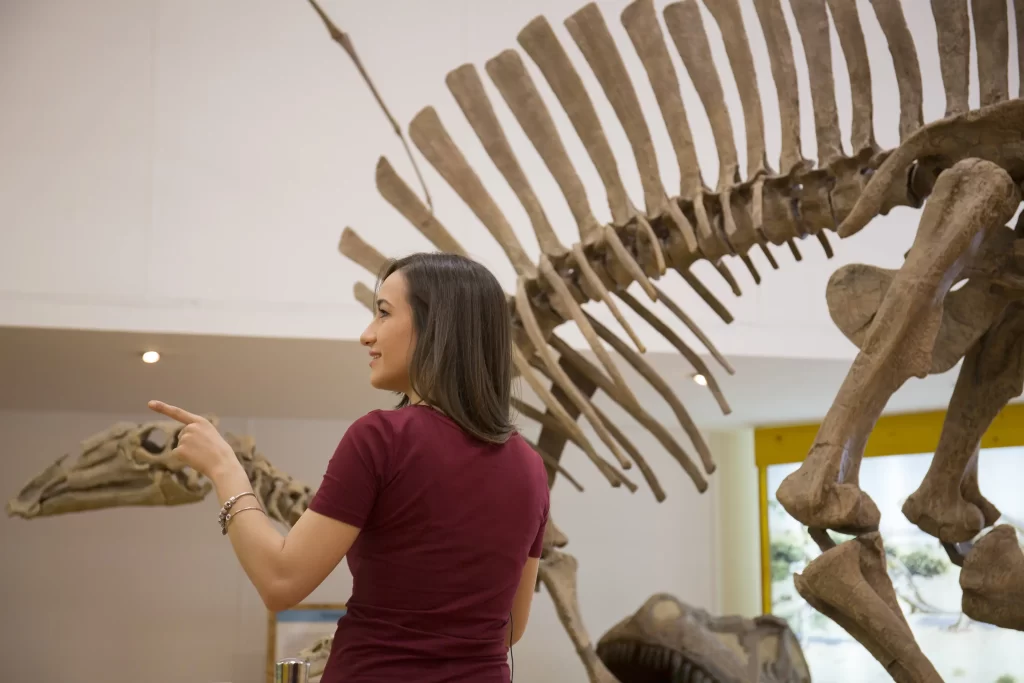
pixel 849 584
pixel 970 198
pixel 992 374
pixel 992 579
pixel 668 640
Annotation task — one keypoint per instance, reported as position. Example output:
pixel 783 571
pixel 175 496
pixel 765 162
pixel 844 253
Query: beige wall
pixel 156 594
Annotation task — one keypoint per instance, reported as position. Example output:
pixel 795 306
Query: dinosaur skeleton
pixel 965 169
pixel 969 166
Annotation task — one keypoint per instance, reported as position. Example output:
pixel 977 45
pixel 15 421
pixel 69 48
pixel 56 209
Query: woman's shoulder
pixel 376 425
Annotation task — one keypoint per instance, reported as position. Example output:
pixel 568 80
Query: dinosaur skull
pixel 666 641
pixel 127 464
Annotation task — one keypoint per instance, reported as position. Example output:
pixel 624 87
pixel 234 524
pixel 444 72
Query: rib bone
pixel 953 34
pixel 812 23
pixel 992 40
pixel 468 90
pixel 570 425
pixel 971 198
pixel 904 59
pixel 399 195
pixel 558 375
pixel 431 138
pixel 641 24
pixel 584 366
pixel 662 387
pixel 851 39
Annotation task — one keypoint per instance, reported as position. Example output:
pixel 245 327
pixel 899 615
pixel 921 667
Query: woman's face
pixel 391 337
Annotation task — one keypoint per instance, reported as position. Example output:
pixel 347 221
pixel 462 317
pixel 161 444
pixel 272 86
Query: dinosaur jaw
pixel 640 662
pixel 667 640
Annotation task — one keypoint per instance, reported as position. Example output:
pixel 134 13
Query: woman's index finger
pixel 174 412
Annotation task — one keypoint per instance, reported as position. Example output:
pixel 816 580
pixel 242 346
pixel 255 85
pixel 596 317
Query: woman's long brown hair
pixel 462 360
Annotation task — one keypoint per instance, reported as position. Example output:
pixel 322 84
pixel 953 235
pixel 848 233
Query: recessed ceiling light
pixel 700 379
pixel 150 357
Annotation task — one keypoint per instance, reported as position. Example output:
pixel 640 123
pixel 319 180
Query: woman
pixel 439 505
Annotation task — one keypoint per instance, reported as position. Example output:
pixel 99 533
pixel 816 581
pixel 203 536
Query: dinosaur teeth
pixel 631 660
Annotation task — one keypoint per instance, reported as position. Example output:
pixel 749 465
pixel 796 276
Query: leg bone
pixel 992 580
pixel 849 584
pixel 558 573
pixel 992 374
pixel 969 199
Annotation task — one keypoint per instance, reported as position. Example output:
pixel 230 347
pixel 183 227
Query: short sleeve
pixel 356 471
pixel 538 542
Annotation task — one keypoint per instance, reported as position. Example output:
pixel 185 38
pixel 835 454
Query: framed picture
pixel 293 630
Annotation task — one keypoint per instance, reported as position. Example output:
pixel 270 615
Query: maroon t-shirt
pixel 447 524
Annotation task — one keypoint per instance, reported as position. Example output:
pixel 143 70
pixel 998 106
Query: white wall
pixel 156 594
pixel 188 166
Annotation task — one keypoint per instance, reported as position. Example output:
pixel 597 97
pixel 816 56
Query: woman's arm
pixel 283 569
pixel 522 601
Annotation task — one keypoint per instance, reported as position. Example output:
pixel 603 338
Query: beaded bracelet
pixel 225 515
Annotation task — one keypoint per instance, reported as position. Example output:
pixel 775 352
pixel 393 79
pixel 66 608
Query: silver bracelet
pixel 227 520
pixel 222 518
